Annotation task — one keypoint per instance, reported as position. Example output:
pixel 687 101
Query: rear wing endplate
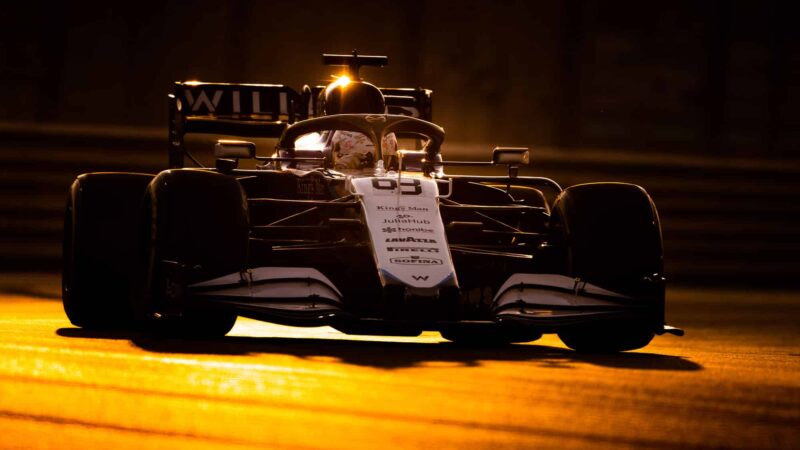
pixel 252 110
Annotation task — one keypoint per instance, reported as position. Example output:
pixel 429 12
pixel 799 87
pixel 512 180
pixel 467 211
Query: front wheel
pixel 607 337
pixel 196 323
pixel 479 336
pixel 610 236
pixel 196 229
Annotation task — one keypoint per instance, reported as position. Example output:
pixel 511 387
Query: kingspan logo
pixel 416 261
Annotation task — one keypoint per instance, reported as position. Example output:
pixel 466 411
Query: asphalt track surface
pixel 732 382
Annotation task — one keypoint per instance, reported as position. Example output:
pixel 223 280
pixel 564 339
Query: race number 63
pixel 389 184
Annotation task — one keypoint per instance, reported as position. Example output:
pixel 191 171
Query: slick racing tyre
pixel 468 336
pixel 99 248
pixel 607 337
pixel 611 237
pixel 196 228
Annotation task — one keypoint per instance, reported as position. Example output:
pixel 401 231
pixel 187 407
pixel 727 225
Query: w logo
pixel 420 277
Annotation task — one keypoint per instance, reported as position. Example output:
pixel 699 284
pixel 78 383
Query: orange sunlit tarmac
pixel 731 382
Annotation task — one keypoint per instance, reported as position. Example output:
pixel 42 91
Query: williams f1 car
pixel 352 222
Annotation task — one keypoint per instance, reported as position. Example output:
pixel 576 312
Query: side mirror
pixel 228 148
pixel 513 156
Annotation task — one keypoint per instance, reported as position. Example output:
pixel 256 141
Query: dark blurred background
pixel 696 101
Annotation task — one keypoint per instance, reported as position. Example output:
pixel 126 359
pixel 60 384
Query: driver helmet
pixel 354 150
pixel 352 97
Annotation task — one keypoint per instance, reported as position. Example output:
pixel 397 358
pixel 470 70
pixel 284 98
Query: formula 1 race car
pixel 353 223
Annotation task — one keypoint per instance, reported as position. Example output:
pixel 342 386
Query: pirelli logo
pixel 413 249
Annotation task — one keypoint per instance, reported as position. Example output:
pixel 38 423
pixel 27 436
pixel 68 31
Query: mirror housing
pixel 229 148
pixel 513 156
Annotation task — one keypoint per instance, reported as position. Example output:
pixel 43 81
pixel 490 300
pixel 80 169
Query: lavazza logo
pixel 416 261
pixel 412 239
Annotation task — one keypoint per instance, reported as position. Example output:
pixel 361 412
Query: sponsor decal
pixel 413 249
pixel 408 221
pixel 198 100
pixel 412 239
pixel 420 277
pixel 401 208
pixel 311 187
pixel 203 101
pixel 406 230
pixel 416 261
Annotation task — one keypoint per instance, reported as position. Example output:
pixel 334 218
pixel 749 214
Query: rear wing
pixel 409 102
pixel 259 110
pixel 252 110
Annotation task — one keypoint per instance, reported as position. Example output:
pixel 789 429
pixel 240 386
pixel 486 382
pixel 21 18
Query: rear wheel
pixel 196 229
pixel 99 248
pixel 197 323
pixel 611 237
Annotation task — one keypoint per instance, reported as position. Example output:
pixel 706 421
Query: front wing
pixel 303 296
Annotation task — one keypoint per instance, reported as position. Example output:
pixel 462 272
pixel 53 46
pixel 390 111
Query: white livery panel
pixel 262 283
pixel 553 290
pixel 406 231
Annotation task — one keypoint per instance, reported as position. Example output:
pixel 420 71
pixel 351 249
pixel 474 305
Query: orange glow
pixel 343 80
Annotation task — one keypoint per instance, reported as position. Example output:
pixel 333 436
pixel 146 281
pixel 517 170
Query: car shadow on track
pixel 389 355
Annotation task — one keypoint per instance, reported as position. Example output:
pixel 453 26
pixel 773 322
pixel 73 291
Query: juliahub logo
pixel 408 221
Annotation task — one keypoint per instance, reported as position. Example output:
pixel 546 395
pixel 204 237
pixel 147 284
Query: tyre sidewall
pixel 197 219
pixel 100 247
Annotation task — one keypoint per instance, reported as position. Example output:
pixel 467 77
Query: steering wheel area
pixel 374 126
